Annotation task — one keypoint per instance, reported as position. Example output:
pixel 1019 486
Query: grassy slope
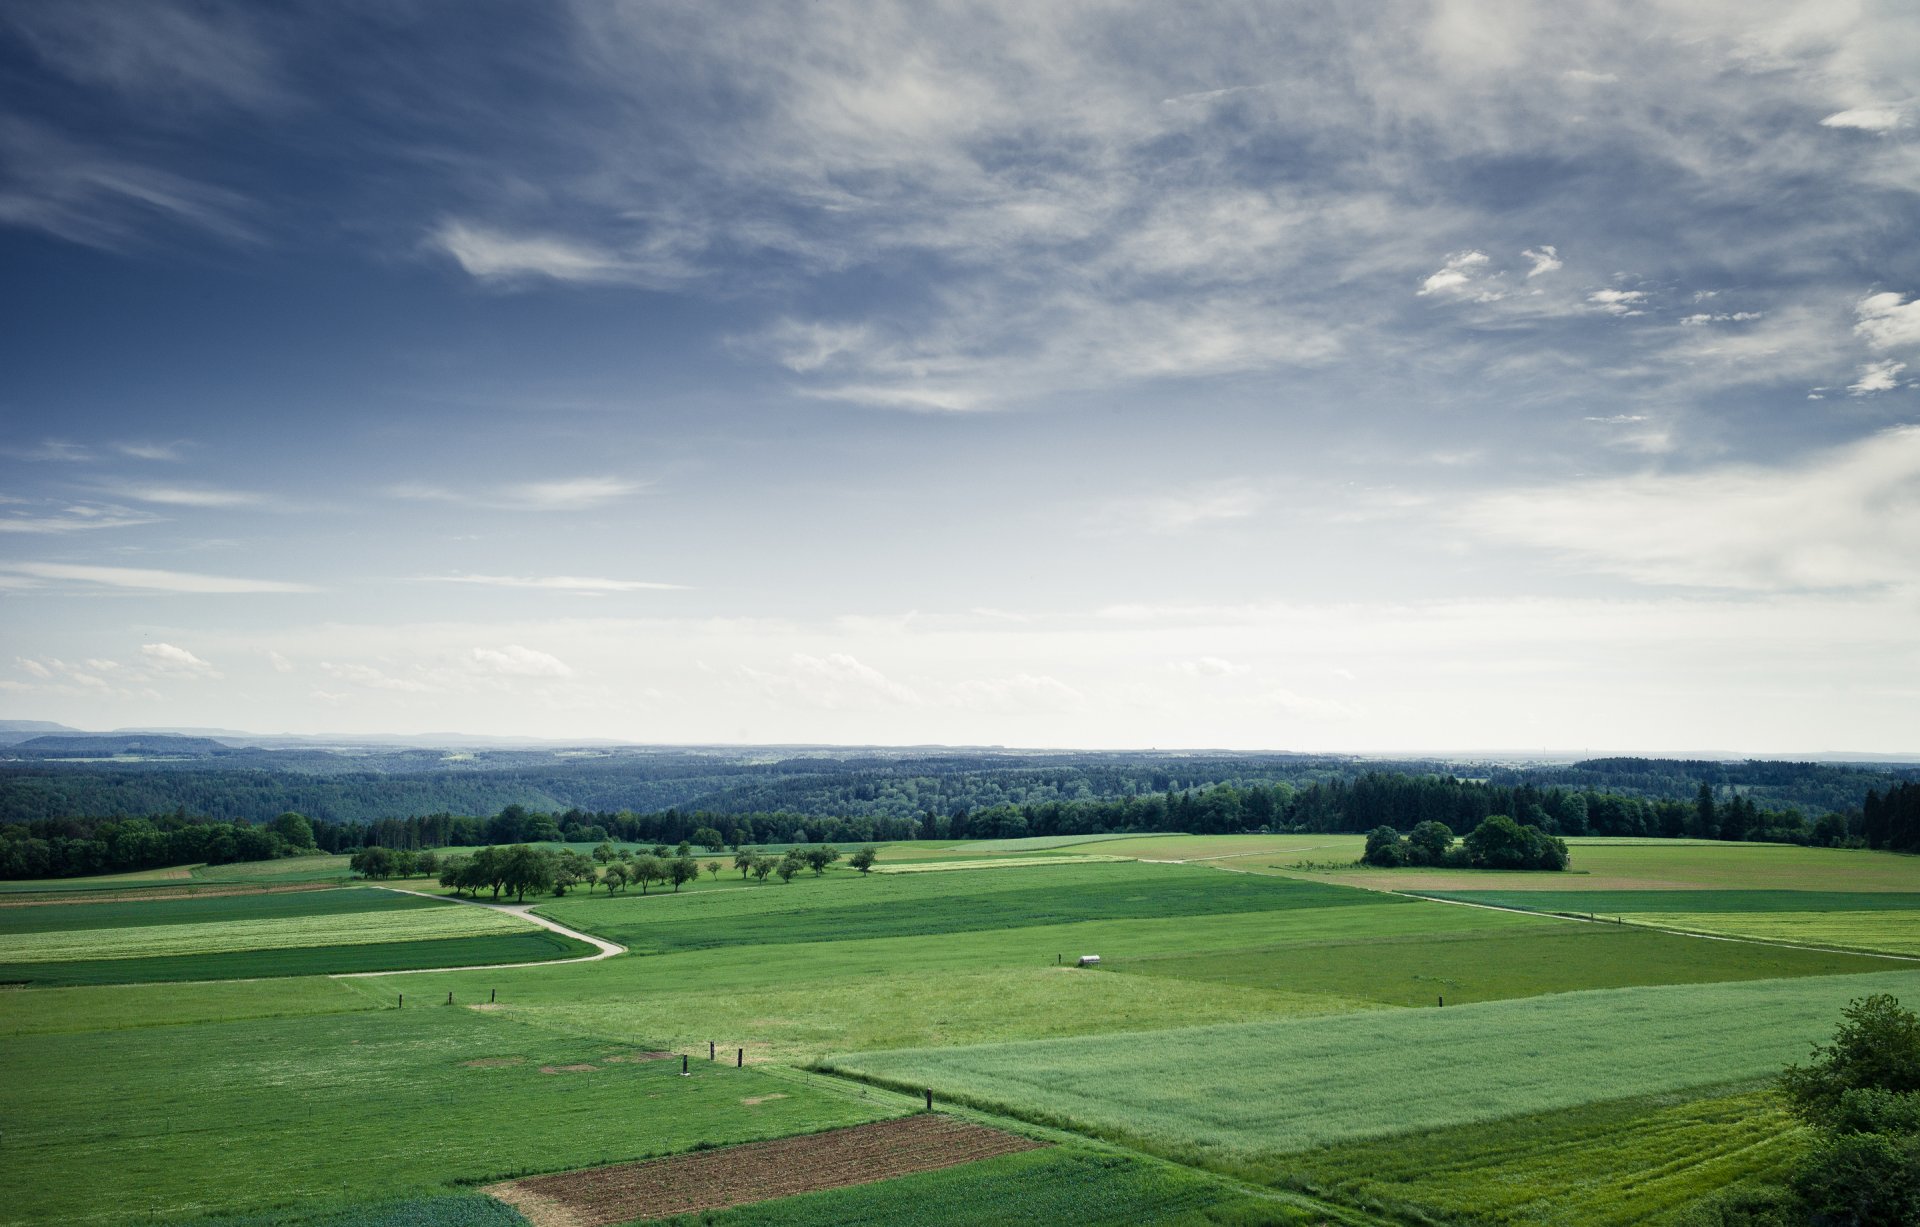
pixel 242 1117
pixel 1241 1095
pixel 1659 866
pixel 275 933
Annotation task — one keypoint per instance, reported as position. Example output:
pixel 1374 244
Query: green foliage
pixel 1863 1180
pixel 1072 1186
pixel 863 859
pixel 1877 1046
pixel 1502 843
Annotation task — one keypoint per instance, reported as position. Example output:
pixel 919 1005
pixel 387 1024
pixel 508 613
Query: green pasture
pixel 1242 1096
pixel 202 909
pixel 119 1006
pixel 1882 930
pixel 1034 843
pixel 1493 964
pixel 277 933
pixel 525 945
pixel 996 862
pixel 1073 1186
pixel 849 906
pixel 1617 1163
pixel 247 1117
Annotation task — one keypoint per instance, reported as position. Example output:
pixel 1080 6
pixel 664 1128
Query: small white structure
pixel 1089 960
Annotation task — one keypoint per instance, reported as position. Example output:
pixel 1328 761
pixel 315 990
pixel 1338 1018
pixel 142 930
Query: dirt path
pixel 603 949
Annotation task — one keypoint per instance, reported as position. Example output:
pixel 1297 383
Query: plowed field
pixel 735 1175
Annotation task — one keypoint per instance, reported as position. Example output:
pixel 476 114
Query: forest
pixel 1399 800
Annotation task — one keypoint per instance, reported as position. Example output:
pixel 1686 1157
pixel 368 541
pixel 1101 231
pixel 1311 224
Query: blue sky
pixel 1399 376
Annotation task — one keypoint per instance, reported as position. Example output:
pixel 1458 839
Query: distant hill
pixel 101 745
pixel 15 731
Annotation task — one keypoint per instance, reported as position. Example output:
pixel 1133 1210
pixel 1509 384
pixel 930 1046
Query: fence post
pixel 710 1050
pixel 929 1099
pixel 684 1072
pixel 449 997
pixel 491 994
pixel 1443 1000
pixel 740 1059
pixel 403 1001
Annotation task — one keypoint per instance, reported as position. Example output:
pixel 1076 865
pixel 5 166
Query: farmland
pixel 1255 1046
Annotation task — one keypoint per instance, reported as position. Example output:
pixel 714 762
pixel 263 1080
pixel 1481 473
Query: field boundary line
pixel 603 949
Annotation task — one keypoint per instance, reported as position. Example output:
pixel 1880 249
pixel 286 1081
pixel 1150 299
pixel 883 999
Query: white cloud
pixel 1619 302
pixel 1866 119
pixel 72 517
pixel 188 496
pixel 1021 693
pixel 176 660
pixel 518 661
pixel 1877 377
pixel 149 451
pixel 561 494
pixel 835 681
pixel 1546 259
pixel 1701 318
pixel 280 663
pixel 375 679
pixel 1848 517
pixel 1464 273
pixel 150 580
pixel 1179 511
pixel 581 584
pixel 1887 320
pixel 53 450
pixel 493 255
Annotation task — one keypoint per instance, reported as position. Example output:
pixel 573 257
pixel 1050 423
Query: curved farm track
pixel 603 949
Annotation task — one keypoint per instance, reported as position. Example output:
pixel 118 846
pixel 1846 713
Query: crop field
pixel 1036 843
pixel 1278 1028
pixel 1062 1184
pixel 1612 1164
pixel 1492 965
pixel 277 934
pixel 845 906
pixel 757 1171
pixel 1203 1094
pixel 1001 862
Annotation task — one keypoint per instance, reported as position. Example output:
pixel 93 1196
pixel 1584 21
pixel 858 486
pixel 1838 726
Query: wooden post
pixel 684 1071
pixel 1443 1001
pixel 490 995
pixel 709 1050
pixel 929 1099
pixel 403 1001
pixel 740 1059
pixel 449 997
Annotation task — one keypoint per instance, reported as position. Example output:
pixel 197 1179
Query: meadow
pixel 1203 1094
pixel 1255 1047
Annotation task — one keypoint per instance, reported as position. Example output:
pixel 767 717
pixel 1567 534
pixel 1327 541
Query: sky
pixel 1444 375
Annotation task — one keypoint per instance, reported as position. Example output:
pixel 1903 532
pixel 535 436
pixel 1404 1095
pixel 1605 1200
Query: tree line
pixel 1497 843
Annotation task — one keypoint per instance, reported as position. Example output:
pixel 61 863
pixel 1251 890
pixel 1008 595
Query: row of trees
pixel 517 869
pixel 1892 820
pixel 71 850
pixel 1497 843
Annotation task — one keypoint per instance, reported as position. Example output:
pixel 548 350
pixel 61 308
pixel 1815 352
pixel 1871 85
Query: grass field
pixel 1492 965
pixel 846 907
pixel 278 933
pixel 1242 1096
pixel 245 1117
pixel 1275 1025
pixel 453 1210
pixel 1616 1163
pixel 999 862
pixel 1037 843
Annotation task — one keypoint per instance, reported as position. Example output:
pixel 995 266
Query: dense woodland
pixel 1885 817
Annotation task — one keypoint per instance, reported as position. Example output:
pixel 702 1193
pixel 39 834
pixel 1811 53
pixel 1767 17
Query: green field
pixel 1615 1163
pixel 1276 1026
pixel 249 1116
pixel 1239 1097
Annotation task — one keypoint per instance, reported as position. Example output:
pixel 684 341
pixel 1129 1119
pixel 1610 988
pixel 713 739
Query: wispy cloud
pixel 43 516
pixel 167 658
pixel 491 255
pixel 517 661
pixel 1865 119
pixel 583 584
pixel 1874 377
pixel 1887 320
pixel 189 496
pixel 1848 517
pixel 561 494
pixel 145 580
pixel 149 451
pixel 1180 511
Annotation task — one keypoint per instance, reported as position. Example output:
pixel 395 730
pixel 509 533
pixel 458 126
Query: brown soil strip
pixel 754 1101
pixel 569 1069
pixel 758 1171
